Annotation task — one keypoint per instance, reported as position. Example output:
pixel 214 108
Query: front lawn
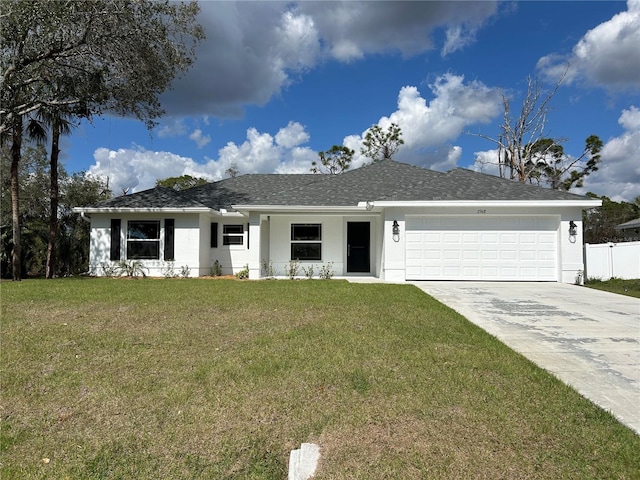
pixel 203 379
pixel 630 288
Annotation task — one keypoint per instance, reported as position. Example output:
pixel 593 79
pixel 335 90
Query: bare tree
pixel 519 135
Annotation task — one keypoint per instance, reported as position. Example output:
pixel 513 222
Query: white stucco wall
pixel 333 238
pixel 267 240
pixel 232 258
pixel 204 256
pixel 394 258
pixel 187 242
pixel 571 247
pixel 570 261
pixel 100 242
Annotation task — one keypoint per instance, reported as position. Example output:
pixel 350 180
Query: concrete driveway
pixel 587 338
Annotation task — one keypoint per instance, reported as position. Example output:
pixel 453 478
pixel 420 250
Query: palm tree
pixel 60 125
pixel 35 132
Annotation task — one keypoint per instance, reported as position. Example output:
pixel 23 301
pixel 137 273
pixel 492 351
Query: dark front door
pixel 358 250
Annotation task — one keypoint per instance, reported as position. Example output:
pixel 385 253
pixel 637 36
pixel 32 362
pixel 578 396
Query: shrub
pixel 216 269
pixel 132 268
pixel 244 273
pixel 267 269
pixel 308 272
pixel 168 271
pixel 292 269
pixel 326 271
pixel 109 269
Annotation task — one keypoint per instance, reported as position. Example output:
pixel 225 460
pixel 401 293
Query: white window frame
pixel 227 236
pixel 307 241
pixel 132 240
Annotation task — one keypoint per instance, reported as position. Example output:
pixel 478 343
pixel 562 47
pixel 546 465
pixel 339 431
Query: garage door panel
pixel 508 255
pixel 471 238
pixel 508 238
pixel 470 254
pixel 489 255
pixel 482 248
pixel 526 255
pixel 432 238
pixel 452 238
pixel 487 238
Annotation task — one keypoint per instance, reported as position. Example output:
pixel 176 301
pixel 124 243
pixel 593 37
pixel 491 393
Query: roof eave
pixel 493 203
pixel 145 210
pixel 301 208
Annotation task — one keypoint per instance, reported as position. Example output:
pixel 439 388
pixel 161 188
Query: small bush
pixel 267 269
pixel 292 269
pixel 308 272
pixel 326 271
pixel 244 273
pixel 109 269
pixel 132 268
pixel 168 271
pixel 216 269
pixel 185 271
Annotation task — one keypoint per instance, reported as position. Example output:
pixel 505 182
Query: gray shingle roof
pixel 154 198
pixel 382 181
pixel 635 223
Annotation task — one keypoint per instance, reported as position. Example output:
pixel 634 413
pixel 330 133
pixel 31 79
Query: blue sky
pixel 276 82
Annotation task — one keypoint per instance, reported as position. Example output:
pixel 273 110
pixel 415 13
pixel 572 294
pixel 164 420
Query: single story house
pixel 630 230
pixel 390 220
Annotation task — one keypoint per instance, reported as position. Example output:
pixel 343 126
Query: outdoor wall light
pixel 395 229
pixel 573 228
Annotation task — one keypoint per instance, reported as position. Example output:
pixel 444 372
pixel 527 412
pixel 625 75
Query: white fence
pixel 606 260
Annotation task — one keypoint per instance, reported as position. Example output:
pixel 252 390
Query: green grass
pixel 195 379
pixel 630 288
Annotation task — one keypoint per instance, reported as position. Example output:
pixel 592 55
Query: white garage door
pixel 482 248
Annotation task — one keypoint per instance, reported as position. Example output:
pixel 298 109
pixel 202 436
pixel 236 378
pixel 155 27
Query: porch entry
pixel 358 247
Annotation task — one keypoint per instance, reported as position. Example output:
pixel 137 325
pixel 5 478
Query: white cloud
pixel 618 176
pixel 486 162
pixel 292 135
pixel 136 169
pixel 200 139
pixel 297 160
pixel 606 56
pixel 298 41
pixel 427 129
pixel 174 128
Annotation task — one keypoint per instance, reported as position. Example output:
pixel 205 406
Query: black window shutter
pixel 214 235
pixel 115 239
pixel 169 238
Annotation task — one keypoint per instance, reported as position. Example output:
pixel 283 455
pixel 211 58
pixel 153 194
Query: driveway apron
pixel 587 338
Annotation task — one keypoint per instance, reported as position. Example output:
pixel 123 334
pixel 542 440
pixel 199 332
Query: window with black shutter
pixel 115 239
pixel 214 235
pixel 169 239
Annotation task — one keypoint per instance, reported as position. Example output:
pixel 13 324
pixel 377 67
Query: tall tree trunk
pixel 16 147
pixel 53 195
